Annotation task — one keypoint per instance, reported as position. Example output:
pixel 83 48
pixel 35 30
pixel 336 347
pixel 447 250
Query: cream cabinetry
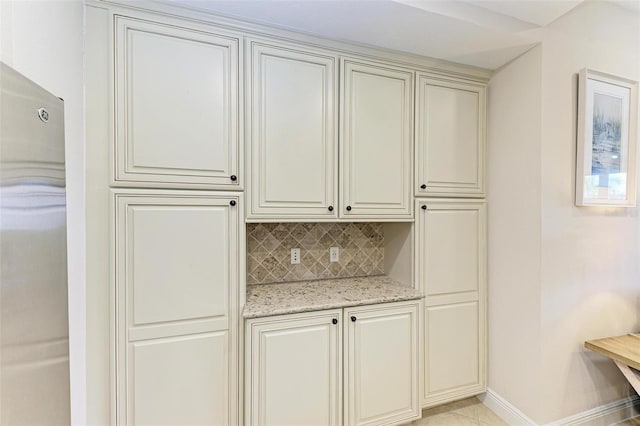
pixel 292 161
pixel 294 369
pixel 177 273
pixel 451 272
pixel 377 141
pixel 176 106
pixel 382 370
pixel 294 363
pixel 174 96
pixel 450 137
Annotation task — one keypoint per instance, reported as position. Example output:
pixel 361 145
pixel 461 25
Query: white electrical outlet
pixel 295 256
pixel 334 254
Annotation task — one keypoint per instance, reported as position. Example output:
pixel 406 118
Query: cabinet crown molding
pixel 277 33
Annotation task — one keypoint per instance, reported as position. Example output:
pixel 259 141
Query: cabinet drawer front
pixel 450 138
pixel 293 155
pixel 176 106
pixel 294 370
pixel 179 381
pixel 381 364
pixel 377 141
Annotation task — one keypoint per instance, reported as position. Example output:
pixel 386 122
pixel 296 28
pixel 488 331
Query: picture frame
pixel 607 133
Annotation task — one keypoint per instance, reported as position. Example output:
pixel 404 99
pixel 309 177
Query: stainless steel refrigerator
pixel 34 329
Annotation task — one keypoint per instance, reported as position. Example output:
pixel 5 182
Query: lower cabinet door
pixel 177 268
pixel 450 261
pixel 181 380
pixel 382 370
pixel 454 357
pixel 294 370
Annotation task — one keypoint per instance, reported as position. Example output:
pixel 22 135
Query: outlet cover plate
pixel 295 256
pixel 334 254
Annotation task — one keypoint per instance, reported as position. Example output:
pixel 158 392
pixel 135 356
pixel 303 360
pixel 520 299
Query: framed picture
pixel 607 136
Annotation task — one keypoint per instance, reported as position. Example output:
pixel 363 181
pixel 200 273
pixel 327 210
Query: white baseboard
pixel 604 415
pixel 505 410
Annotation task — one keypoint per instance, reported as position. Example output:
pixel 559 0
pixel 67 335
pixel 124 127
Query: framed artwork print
pixel 607 136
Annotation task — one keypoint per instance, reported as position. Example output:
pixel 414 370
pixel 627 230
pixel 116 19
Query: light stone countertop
pixel 304 296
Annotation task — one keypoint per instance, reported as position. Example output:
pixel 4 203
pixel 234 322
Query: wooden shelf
pixel 625 349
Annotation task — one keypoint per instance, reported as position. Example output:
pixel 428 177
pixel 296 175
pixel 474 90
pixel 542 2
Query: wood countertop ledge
pixel 625 349
pixel 305 296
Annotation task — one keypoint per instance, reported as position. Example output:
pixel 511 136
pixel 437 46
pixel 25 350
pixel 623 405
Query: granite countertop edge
pixel 264 300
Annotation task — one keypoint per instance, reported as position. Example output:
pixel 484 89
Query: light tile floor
pixel 472 412
pixel 631 422
pixel 468 412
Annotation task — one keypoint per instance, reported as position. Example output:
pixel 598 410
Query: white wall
pixel 514 215
pixel 590 282
pixel 588 259
pixel 44 41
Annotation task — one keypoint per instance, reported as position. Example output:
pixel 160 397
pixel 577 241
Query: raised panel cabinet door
pixel 454 352
pixel 451 255
pixel 179 381
pixel 450 138
pixel 381 364
pixel 294 370
pixel 451 272
pixel 293 154
pixel 176 288
pixel 377 141
pixel 177 106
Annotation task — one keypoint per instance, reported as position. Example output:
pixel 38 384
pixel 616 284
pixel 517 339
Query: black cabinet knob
pixel 334 321
pixel 353 319
pixel 424 207
pixel 233 178
pixel 232 203
pixel 423 186
pixel 348 208
pixel 330 208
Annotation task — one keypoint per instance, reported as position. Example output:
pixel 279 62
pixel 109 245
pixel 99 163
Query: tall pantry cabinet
pixel 178 228
pixel 450 254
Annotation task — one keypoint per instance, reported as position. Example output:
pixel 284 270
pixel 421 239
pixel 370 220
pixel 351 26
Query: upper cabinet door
pixel 177 97
pixel 450 138
pixel 293 153
pixel 377 140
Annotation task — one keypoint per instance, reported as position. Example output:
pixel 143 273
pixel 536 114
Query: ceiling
pixel 483 33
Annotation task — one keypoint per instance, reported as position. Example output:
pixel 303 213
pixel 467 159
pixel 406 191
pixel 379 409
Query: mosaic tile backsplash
pixel 269 251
